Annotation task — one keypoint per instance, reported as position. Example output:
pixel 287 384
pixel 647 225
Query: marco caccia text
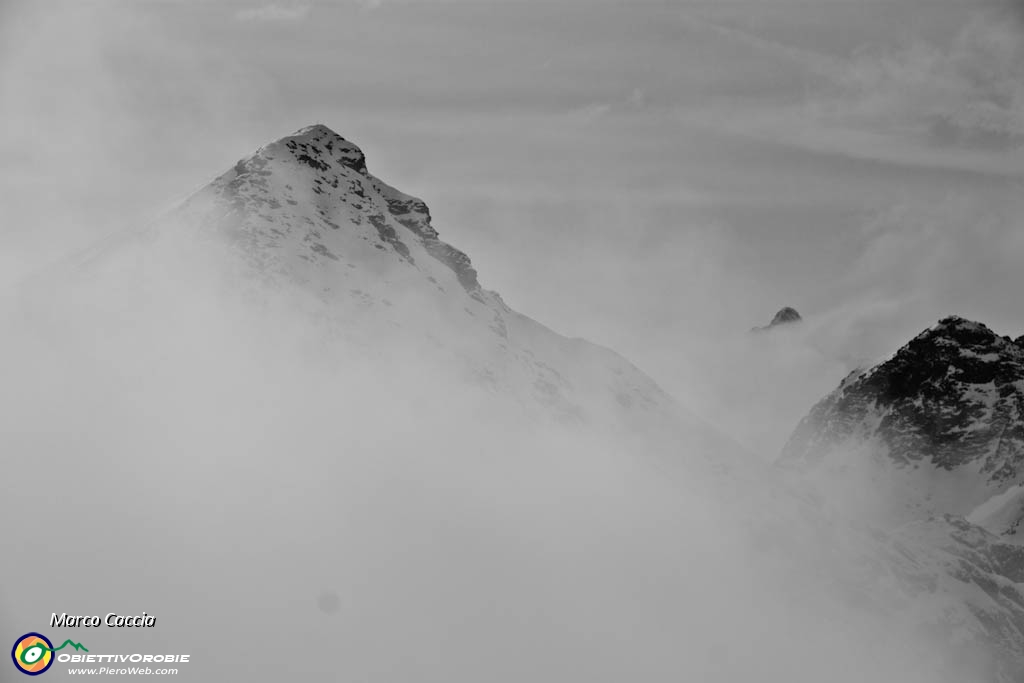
pixel 112 620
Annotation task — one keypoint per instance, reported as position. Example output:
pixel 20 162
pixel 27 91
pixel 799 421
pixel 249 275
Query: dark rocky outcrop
pixel 785 316
pixel 953 396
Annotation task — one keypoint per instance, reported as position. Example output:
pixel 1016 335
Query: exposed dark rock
pixel 953 395
pixel 388 234
pixel 306 145
pixel 413 214
pixel 785 316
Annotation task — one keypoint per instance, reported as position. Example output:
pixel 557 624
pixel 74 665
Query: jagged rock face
pixel 953 398
pixel 928 446
pixel 330 173
pixel 947 556
pixel 785 316
pixel 936 429
pixel 305 216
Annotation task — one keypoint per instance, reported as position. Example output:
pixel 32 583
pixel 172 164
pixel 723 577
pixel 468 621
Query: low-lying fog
pixel 656 177
pixel 289 510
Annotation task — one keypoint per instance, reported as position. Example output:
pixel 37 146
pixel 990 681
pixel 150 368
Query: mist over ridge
pixel 511 383
pixel 280 390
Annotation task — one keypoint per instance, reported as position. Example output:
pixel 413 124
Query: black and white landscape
pixel 490 340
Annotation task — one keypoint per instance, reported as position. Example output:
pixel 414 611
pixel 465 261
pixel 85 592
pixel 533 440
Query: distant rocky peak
pixel 321 148
pixel 786 316
pixel 951 399
pixel 308 195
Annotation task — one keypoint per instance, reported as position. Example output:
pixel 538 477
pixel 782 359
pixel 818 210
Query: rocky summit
pixel 928 447
pixel 304 215
pixel 785 316
pixel 947 409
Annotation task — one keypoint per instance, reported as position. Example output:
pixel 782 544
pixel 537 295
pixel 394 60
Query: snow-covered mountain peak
pixel 320 147
pixel 928 447
pixel 944 416
pixel 959 351
pixel 303 220
pixel 955 330
pixel 308 200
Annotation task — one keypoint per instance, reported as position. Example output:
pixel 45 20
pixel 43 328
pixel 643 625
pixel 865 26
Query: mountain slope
pixel 939 427
pixel 927 447
pixel 308 219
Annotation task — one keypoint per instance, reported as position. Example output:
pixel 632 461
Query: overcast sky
pixel 649 175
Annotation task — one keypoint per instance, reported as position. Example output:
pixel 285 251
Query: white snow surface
pixel 310 220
